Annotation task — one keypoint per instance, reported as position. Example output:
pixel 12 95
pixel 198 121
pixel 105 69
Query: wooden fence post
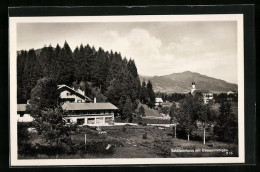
pixel 85 140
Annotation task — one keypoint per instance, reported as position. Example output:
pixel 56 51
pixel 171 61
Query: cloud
pixel 208 48
pixel 154 58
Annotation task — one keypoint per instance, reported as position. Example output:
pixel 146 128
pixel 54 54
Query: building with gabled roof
pixel 68 94
pixel 158 101
pixel 23 115
pixel 80 108
pixel 90 113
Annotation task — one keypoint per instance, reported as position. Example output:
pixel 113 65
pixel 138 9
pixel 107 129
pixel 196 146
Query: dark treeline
pixel 116 77
pixel 174 97
pixel 223 97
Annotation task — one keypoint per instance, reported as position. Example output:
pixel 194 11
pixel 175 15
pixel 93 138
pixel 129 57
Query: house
pixel 158 101
pixel 80 108
pixel 68 94
pixel 90 113
pixel 231 92
pixel 206 94
pixel 22 114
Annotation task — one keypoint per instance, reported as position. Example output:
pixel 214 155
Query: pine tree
pixel 77 72
pixel 143 92
pixel 43 95
pixel 32 72
pixel 150 95
pixel 21 60
pixel 141 111
pixel 133 70
pixel 128 109
pixel 66 63
pixel 227 122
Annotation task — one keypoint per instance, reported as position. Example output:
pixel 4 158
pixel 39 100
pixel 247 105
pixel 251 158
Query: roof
pixel 200 91
pixel 158 100
pixel 61 87
pixel 88 106
pixel 21 107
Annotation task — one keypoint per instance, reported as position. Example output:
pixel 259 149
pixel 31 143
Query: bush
pixel 145 136
pixel 100 146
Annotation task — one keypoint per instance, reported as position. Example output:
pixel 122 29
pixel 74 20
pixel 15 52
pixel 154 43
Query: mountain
pixel 181 83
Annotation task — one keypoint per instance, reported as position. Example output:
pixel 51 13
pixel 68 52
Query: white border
pixel 140 18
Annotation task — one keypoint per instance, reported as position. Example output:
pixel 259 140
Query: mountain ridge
pixel 181 82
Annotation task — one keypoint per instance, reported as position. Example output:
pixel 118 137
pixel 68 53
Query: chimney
pixel 28 102
pixel 95 100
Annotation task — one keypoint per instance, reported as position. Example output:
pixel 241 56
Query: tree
pixel 32 72
pixel 150 95
pixel 188 113
pixel 122 88
pixel 133 70
pixel 141 111
pixel 226 127
pixel 173 115
pixel 52 126
pixel 173 111
pixel 128 109
pixel 21 92
pixel 206 117
pixel 43 95
pixel 143 92
pixel 47 61
pixel 66 65
pixel 165 110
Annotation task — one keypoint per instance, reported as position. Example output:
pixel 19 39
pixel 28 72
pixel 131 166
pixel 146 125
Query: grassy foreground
pixel 138 142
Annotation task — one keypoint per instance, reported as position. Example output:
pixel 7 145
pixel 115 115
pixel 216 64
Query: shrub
pixel 100 146
pixel 124 129
pixel 145 136
pixel 140 123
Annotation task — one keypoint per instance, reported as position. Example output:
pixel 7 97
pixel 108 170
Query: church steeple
pixel 192 87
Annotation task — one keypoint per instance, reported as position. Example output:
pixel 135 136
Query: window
pixel 81 121
pixel 100 120
pixel 21 114
pixel 108 119
pixel 68 94
pixel 68 120
pixel 91 121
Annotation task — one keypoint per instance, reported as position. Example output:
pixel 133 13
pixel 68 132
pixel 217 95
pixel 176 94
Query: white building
pixel 158 101
pixel 92 114
pixel 80 109
pixel 22 114
pixel 206 94
pixel 231 92
pixel 68 94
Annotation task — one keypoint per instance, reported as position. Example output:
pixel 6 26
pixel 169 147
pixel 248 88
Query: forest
pixel 114 76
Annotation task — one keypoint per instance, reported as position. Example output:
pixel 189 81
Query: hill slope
pixel 181 83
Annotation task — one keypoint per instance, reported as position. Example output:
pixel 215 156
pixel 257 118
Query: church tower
pixel 193 87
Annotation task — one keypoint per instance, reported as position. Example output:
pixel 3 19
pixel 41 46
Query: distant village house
pixel 206 94
pixel 158 101
pixel 22 114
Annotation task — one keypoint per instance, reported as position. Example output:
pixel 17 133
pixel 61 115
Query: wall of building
pixel 64 95
pixel 24 118
pixel 91 120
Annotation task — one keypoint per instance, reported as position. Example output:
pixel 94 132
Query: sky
pixel 158 48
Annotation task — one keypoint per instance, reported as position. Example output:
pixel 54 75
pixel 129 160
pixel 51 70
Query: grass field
pixel 129 142
pixel 139 142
